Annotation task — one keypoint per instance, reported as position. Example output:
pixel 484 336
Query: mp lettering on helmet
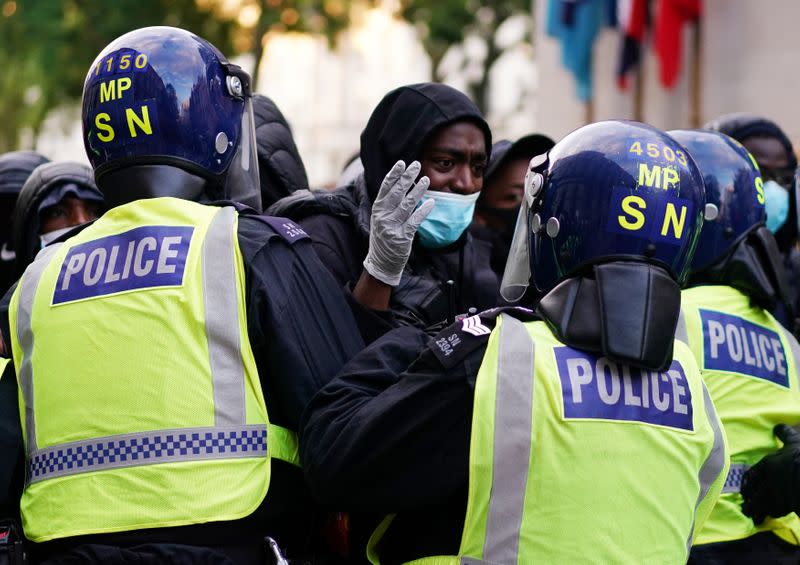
pixel 595 388
pixel 736 345
pixel 141 258
pixel 119 118
pixel 648 215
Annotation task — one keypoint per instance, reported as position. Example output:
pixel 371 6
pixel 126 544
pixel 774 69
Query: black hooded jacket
pixel 280 166
pixel 40 184
pixel 15 168
pixel 338 221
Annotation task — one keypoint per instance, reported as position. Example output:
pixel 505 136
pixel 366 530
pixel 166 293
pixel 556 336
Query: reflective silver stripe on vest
pixel 680 330
pixel 795 347
pixel 222 320
pixel 733 482
pixel 713 464
pixel 27 292
pixel 229 438
pixel 512 442
pixel 147 448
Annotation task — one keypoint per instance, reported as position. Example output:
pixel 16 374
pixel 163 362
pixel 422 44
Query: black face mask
pixel 507 217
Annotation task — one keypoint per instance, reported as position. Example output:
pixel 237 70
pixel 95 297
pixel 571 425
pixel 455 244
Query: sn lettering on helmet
pixel 139 259
pixel 733 344
pixel 641 213
pixel 128 124
pixel 601 389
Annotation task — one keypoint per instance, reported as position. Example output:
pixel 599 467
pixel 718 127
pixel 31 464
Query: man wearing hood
pixel 773 152
pixel 15 168
pixel 56 198
pixel 401 278
pixel 498 206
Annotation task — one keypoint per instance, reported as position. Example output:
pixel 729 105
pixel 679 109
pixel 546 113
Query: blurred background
pixel 542 65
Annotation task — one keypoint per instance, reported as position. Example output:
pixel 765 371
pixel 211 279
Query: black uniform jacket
pixel 391 433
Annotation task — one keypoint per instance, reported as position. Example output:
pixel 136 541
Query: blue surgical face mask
pixel 449 218
pixel 777 205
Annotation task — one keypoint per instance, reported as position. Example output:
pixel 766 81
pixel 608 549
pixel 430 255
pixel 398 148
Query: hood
pixel 280 166
pixel 15 168
pixel 403 121
pixel 45 180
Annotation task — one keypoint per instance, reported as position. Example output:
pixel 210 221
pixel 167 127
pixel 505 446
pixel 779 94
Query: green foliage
pixel 49 46
pixel 447 22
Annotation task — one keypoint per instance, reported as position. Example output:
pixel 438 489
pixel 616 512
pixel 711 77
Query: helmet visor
pixel 242 181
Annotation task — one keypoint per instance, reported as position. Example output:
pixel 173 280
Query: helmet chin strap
pixel 627 311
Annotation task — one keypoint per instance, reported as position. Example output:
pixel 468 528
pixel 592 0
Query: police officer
pixel 164 353
pixel 748 360
pixel 583 436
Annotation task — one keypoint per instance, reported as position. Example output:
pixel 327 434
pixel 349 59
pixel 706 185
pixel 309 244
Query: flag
pixel 576 23
pixel 632 17
pixel 671 15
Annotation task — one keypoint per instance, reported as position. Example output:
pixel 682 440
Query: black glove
pixel 771 487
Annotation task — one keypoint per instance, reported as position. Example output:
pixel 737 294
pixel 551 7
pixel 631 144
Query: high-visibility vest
pixel 749 364
pixel 575 458
pixel 139 397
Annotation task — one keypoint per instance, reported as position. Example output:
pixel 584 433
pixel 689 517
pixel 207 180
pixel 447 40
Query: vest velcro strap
pixel 283 445
pixel 147 448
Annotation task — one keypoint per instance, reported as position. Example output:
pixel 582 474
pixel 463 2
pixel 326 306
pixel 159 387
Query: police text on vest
pixel 597 388
pixel 733 344
pixel 145 257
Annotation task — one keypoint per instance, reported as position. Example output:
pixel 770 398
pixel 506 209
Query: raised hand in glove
pixel 771 487
pixel 395 219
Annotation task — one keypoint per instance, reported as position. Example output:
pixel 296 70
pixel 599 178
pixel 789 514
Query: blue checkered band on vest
pixel 733 482
pixel 130 450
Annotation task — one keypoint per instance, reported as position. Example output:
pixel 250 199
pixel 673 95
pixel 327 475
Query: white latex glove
pixel 395 219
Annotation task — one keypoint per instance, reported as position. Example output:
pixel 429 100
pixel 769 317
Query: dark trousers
pixel 764 547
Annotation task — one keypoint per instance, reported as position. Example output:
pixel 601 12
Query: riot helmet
pixel 165 114
pixel 735 248
pixel 734 192
pixel 612 190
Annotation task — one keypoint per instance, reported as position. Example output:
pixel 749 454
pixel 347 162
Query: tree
pixel 49 47
pixel 444 23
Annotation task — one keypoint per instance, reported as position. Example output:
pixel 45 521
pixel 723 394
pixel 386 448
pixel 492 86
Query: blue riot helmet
pixel 611 213
pixel 734 192
pixel 735 247
pixel 165 114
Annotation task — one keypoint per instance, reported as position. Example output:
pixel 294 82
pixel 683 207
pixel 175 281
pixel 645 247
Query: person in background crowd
pixel 280 166
pixel 165 352
pixel 15 168
pixel 55 198
pixel 749 362
pixel 773 152
pixel 498 205
pixel 365 232
pixel 582 436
